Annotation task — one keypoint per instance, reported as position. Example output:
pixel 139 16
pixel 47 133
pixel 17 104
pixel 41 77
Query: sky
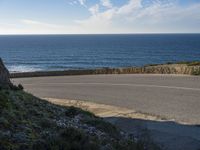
pixel 99 16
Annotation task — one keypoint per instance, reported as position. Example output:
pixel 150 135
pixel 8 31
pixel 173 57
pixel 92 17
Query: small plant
pixel 196 72
pixel 67 139
pixel 169 63
pixel 190 63
pixel 71 134
pixel 195 63
pixel 20 87
pixel 3 101
pixel 16 88
pixel 73 111
pixel 45 123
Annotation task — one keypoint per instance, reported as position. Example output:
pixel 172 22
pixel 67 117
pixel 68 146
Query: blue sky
pixel 99 16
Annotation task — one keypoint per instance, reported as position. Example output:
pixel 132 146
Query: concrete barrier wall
pixel 159 69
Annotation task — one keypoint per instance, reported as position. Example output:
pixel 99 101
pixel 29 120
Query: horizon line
pixel 97 34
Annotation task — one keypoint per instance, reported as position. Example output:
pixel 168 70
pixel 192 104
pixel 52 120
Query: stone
pixel 4 75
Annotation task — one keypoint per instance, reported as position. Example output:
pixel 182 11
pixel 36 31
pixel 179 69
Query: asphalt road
pixel 169 96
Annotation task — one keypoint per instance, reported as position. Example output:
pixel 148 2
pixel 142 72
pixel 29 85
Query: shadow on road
pixel 169 135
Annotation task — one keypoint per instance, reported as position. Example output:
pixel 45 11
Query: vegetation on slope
pixel 29 123
pixel 188 63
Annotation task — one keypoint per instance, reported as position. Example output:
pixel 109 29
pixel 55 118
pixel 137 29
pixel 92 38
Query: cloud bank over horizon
pixel 101 16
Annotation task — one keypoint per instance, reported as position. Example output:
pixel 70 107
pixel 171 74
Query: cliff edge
pixel 4 75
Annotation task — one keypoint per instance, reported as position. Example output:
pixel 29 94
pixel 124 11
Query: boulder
pixel 4 75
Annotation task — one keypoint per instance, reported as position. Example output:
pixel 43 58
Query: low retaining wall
pixel 158 69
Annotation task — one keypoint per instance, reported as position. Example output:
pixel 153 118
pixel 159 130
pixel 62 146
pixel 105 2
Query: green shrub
pixel 16 88
pixel 5 144
pixel 169 63
pixel 78 140
pixel 46 123
pixel 4 123
pixel 71 134
pixel 3 101
pixel 190 63
pixel 73 111
pixel 67 139
pixel 195 63
pixel 20 87
pixel 196 72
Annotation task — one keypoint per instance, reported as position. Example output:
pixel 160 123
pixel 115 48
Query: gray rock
pixel 4 75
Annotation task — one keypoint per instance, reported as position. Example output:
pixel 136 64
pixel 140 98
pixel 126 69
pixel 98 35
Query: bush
pixel 67 139
pixel 73 111
pixel 196 72
pixel 45 123
pixel 71 134
pixel 16 88
pixel 195 63
pixel 20 87
pixel 3 101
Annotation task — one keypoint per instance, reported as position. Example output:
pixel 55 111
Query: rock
pixel 4 75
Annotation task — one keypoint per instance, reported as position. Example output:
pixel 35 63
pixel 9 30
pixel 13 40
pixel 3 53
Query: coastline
pixel 188 68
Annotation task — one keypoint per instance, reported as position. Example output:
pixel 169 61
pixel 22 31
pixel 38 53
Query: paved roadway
pixel 170 96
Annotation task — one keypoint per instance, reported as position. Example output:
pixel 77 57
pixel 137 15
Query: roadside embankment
pixel 150 69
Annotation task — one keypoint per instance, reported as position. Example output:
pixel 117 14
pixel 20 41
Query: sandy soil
pixel 105 111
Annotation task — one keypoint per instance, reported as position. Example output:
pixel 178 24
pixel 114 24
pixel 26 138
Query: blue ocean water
pixel 62 52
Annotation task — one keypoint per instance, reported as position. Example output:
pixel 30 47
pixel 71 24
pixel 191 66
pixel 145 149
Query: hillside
pixel 27 122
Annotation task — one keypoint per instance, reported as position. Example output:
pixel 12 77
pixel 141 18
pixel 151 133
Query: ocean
pixel 27 53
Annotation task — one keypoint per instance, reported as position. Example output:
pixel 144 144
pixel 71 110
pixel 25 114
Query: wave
pixel 23 68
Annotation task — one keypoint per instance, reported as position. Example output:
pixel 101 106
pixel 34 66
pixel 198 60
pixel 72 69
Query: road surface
pixel 169 96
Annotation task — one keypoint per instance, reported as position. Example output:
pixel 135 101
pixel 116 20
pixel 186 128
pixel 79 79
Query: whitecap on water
pixel 23 68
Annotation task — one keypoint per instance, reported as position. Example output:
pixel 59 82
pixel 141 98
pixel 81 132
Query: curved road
pixel 170 96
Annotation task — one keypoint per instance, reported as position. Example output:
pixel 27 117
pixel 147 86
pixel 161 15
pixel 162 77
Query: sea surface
pixel 25 53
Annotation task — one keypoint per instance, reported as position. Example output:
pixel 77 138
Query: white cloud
pixel 130 7
pixel 73 2
pixel 40 24
pixel 106 3
pixel 159 16
pixel 94 9
pixel 82 2
pixel 131 17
